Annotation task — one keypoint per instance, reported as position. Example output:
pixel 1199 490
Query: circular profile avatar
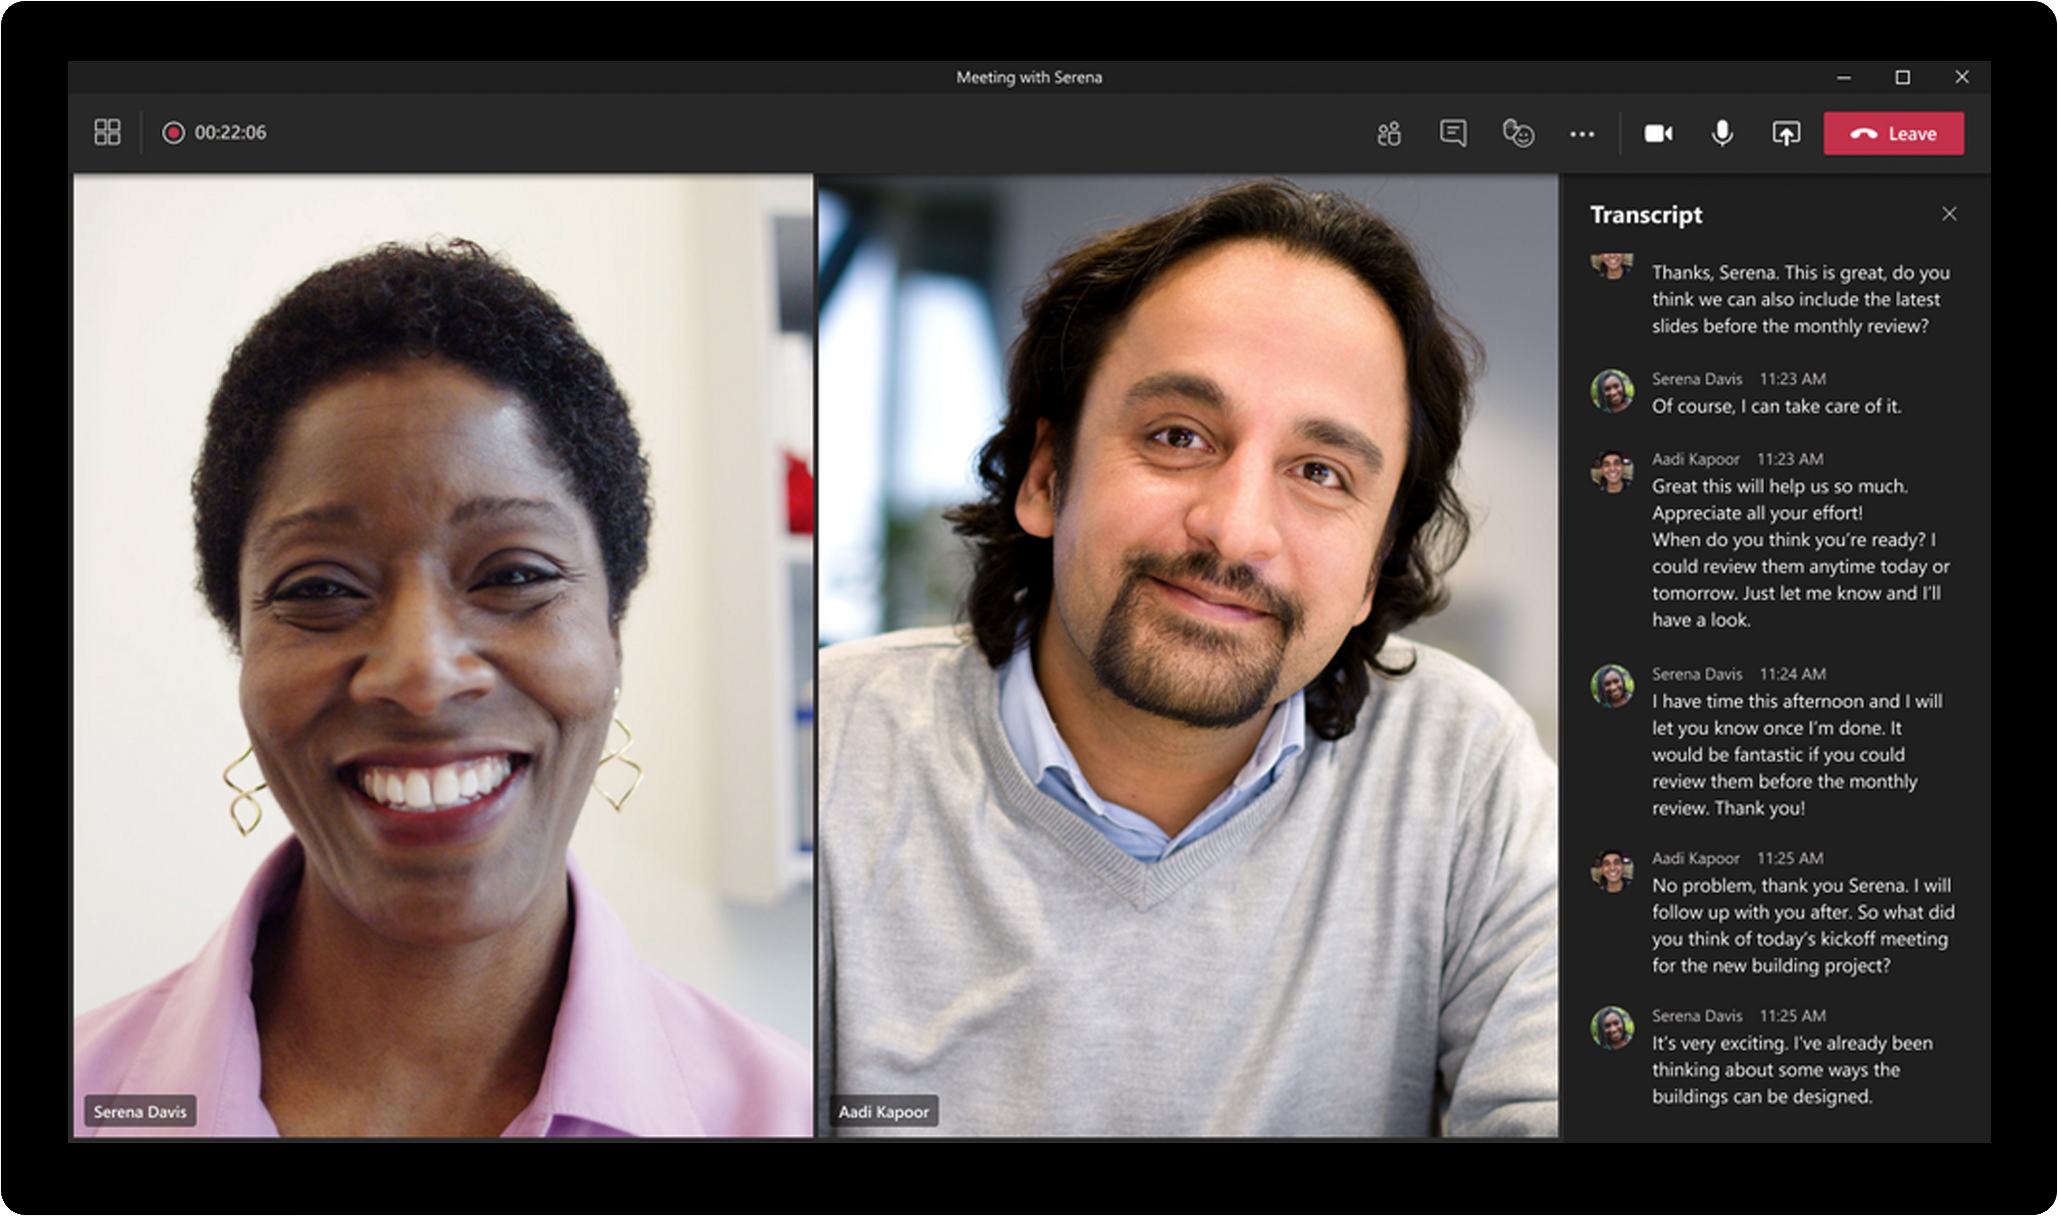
pixel 1612 391
pixel 1612 265
pixel 1612 687
pixel 1612 1028
pixel 1612 472
pixel 1611 871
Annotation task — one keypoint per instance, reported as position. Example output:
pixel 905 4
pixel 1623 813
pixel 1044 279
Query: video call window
pixel 898 608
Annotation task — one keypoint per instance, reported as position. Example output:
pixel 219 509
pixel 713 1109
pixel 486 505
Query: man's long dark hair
pixel 1080 306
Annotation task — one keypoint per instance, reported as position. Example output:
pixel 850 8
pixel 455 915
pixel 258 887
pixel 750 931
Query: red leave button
pixel 1895 133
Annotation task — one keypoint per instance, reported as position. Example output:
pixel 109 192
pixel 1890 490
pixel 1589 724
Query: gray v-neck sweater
pixel 1384 915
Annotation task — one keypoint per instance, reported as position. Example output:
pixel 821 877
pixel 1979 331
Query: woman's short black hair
pixel 450 300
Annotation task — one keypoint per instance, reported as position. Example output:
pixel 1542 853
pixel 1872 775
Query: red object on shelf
pixel 800 497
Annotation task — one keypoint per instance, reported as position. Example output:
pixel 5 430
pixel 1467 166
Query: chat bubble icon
pixel 1453 131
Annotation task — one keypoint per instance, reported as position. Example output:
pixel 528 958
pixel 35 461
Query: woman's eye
pixel 518 577
pixel 313 589
pixel 314 602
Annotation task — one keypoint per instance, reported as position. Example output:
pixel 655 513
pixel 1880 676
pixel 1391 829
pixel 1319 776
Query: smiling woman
pixel 421 508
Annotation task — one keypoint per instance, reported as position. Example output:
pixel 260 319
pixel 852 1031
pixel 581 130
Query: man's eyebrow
pixel 1195 388
pixel 1344 438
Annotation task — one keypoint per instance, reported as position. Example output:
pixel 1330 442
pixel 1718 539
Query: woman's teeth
pixel 434 789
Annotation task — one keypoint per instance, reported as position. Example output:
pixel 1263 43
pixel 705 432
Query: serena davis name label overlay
pixel 142 1110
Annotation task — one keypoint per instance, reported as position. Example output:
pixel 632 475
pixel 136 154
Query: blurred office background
pixel 920 286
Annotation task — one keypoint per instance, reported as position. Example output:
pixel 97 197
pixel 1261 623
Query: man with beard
pixel 1178 842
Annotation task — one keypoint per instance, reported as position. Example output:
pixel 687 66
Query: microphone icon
pixel 1723 134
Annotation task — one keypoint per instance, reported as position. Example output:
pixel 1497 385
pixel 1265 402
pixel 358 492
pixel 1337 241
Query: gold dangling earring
pixel 621 754
pixel 243 795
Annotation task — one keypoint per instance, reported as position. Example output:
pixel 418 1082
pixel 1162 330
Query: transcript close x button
pixel 1893 133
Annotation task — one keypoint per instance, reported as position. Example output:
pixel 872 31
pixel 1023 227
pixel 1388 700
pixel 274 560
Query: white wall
pixel 169 273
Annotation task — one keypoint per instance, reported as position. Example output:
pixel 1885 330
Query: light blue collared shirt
pixel 1025 719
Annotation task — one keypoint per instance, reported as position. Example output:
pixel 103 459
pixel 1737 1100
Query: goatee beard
pixel 1187 670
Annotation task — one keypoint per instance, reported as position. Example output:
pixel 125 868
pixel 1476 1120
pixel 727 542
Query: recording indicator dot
pixel 174 132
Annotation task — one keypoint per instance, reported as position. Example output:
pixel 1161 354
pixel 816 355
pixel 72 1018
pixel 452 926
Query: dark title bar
pixel 1058 75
